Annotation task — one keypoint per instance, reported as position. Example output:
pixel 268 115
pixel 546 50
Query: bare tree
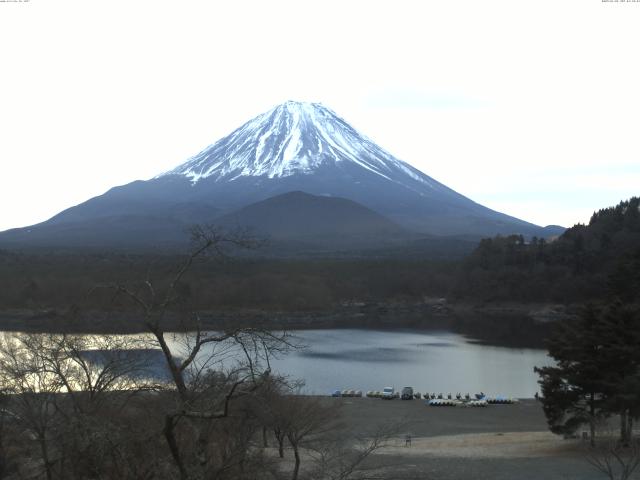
pixel 73 393
pixel 208 370
pixel 272 409
pixel 58 389
pixel 314 429
pixel 7 435
pixel 306 418
pixel 341 455
pixel 33 393
pixel 616 458
pixel 615 461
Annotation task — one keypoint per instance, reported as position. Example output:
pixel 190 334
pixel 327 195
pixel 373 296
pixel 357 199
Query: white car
pixel 388 393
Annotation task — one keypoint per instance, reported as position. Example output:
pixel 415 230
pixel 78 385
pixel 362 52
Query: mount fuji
pixel 295 147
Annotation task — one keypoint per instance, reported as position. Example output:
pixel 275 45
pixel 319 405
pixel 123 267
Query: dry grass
pixel 487 445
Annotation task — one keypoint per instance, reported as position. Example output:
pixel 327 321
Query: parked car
pixel 388 393
pixel 407 393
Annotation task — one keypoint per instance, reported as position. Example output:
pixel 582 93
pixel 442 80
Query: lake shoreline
pixel 500 442
pixel 516 325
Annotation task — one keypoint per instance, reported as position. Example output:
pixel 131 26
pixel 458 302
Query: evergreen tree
pixel 621 337
pixel 573 391
pixel 597 372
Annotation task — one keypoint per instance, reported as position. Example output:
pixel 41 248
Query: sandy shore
pixel 498 442
pixel 485 445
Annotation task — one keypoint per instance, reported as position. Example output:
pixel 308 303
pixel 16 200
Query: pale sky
pixel 531 108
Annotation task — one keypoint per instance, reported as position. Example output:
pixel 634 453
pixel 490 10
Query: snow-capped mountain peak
pixel 276 171
pixel 292 138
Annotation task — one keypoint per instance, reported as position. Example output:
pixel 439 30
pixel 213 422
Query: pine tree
pixel 597 373
pixel 620 325
pixel 573 391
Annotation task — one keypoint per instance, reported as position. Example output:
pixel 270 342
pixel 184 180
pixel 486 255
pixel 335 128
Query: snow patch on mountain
pixel 293 138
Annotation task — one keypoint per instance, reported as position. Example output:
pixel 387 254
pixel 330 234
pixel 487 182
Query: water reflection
pixel 371 355
pixel 428 361
pixel 362 360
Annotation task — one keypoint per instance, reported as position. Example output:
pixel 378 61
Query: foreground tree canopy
pixel 598 353
pixel 189 405
pixel 597 374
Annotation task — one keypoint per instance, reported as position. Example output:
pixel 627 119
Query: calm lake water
pixel 429 361
pixel 362 359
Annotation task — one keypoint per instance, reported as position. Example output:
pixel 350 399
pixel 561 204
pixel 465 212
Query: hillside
pixel 587 262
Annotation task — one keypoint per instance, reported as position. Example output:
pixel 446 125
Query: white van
pixel 388 393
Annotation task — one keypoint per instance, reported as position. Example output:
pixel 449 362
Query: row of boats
pixel 347 393
pixel 432 399
pixel 456 403
pixel 482 402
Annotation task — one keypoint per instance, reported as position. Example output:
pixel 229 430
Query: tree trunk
pixel 169 435
pixel 629 427
pixel 45 458
pixel 623 429
pixel 201 447
pixel 280 438
pixel 265 443
pixel 176 374
pixel 592 421
pixel 296 467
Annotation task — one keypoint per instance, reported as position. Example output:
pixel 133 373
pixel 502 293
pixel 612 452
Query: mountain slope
pixel 302 146
pixel 299 215
pixel 293 147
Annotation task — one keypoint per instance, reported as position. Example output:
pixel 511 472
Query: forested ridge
pixel 596 377
pixel 586 263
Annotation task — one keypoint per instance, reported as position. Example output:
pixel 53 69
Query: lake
pixel 427 360
pixel 364 359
